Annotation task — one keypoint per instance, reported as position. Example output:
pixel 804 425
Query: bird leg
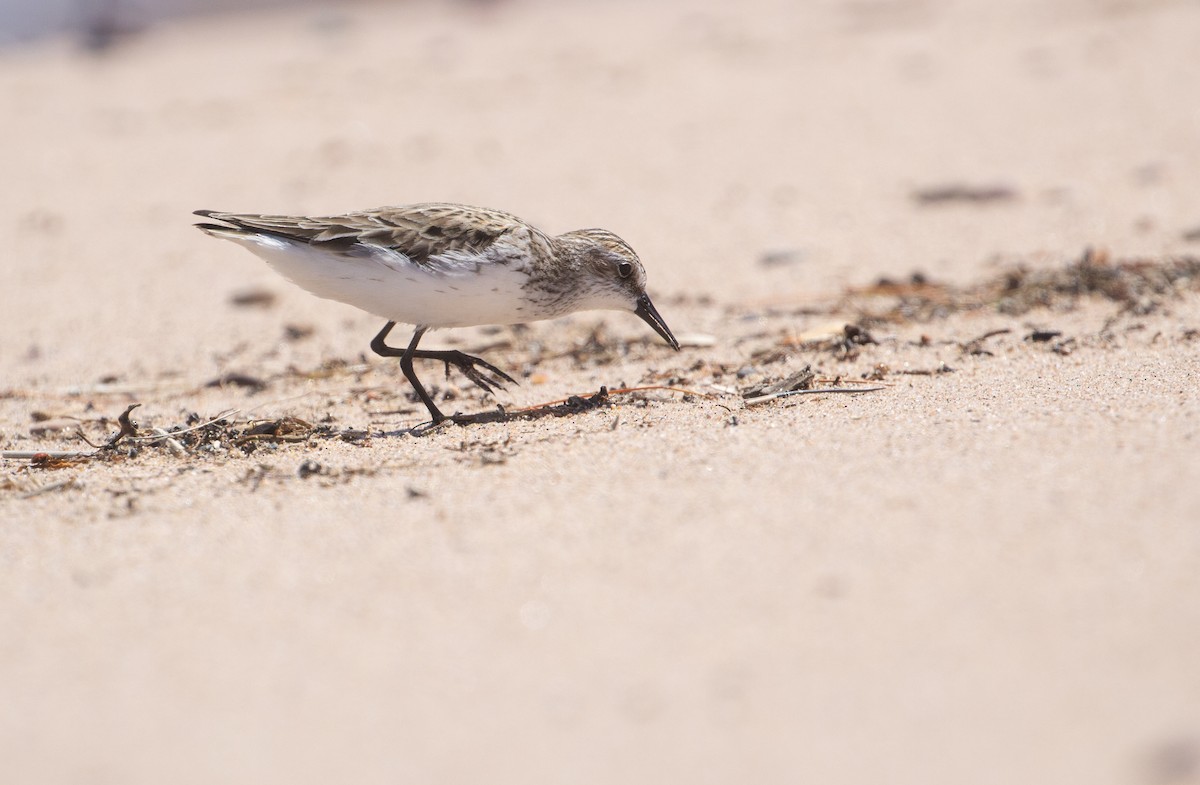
pixel 488 379
pixel 380 347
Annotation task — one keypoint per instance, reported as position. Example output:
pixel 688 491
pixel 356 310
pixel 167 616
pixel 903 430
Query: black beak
pixel 649 314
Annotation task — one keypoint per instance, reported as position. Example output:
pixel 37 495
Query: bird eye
pixel 624 269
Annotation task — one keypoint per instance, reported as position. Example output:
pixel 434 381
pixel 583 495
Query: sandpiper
pixel 446 265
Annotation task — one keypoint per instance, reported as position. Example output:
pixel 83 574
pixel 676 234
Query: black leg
pixel 489 379
pixel 406 356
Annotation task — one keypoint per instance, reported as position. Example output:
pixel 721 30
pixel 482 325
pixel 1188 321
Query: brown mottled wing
pixel 418 231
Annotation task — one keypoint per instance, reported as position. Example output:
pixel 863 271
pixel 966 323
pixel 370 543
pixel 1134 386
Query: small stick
pixel 815 390
pixel 80 435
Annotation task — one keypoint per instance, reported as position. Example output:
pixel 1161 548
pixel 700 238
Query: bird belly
pixel 447 292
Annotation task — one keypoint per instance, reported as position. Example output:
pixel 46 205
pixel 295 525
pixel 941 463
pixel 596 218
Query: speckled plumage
pixel 446 265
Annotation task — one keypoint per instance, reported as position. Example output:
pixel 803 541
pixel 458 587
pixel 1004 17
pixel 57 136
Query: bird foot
pixel 482 373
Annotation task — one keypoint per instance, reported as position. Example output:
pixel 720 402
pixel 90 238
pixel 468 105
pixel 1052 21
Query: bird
pixel 443 265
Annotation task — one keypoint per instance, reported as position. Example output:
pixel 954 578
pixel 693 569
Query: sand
pixel 984 572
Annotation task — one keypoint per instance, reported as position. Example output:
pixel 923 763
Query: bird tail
pixel 218 230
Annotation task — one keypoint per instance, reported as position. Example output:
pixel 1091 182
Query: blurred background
pixel 96 22
pixel 768 151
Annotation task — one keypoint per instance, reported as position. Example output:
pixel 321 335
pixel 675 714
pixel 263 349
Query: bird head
pixel 614 276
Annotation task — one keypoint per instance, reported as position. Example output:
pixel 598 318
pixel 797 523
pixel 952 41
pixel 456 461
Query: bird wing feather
pixel 419 232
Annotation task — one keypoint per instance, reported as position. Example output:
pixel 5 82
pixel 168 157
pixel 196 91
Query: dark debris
pixel 571 406
pixel 1042 336
pixel 960 193
pixel 1138 285
pixel 253 298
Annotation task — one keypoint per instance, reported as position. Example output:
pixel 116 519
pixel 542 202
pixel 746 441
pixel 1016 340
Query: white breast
pixel 452 290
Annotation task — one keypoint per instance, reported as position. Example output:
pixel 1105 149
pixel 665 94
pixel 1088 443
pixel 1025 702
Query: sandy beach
pixel 974 559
